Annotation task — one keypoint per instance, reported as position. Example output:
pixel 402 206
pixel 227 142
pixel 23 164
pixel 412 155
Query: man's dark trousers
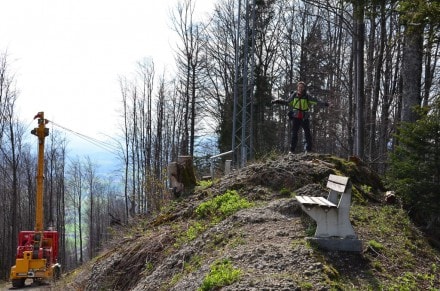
pixel 305 124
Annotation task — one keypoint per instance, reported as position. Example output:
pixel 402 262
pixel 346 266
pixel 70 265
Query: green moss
pixel 377 265
pixel 285 192
pixel 343 167
pixel 190 234
pixel 193 265
pixel 306 286
pixel 221 273
pixel 205 184
pixel 176 278
pixel 222 206
pixel 237 240
pixel 359 174
pixel 194 230
pixel 395 240
pixel 377 246
pixel 149 266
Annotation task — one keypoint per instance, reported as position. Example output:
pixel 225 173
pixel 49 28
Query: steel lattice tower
pixel 242 131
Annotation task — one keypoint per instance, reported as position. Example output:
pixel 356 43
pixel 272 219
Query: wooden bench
pixel 331 214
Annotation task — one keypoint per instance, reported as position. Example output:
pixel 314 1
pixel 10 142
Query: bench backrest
pixel 338 186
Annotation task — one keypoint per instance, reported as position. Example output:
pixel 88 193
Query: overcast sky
pixel 67 55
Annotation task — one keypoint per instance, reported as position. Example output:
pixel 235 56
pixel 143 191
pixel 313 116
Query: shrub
pixel 414 171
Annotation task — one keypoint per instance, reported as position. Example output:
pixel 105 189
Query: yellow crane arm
pixel 41 132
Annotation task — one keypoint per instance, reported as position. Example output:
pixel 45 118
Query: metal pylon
pixel 242 135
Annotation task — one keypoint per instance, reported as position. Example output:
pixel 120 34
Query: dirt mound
pixel 265 243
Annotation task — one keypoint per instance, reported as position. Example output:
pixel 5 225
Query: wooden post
pixel 228 166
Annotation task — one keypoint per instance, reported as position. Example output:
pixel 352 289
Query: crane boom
pixel 41 132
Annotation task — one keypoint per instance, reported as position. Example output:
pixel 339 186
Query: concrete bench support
pixel 333 228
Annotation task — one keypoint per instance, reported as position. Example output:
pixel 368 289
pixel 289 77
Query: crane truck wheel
pixel 18 283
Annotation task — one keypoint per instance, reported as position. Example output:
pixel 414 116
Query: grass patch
pixel 311 229
pixel 298 243
pixel 306 285
pixel 222 206
pixel 190 234
pixel 193 265
pixel 331 272
pixel 404 246
pixel 284 192
pixel 204 184
pixel 194 230
pixel 377 246
pixel 221 274
pixel 237 241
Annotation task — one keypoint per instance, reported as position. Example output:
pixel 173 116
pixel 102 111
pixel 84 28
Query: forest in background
pixel 373 60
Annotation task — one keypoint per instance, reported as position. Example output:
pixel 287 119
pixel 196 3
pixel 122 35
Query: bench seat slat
pixel 310 200
pixel 324 202
pixel 304 200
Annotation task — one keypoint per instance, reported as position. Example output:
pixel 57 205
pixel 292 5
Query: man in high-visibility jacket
pixel 300 103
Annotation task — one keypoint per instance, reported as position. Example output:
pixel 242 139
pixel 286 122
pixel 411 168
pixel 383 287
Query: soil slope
pixel 176 249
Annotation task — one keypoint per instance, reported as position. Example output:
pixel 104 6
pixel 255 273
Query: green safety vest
pixel 301 103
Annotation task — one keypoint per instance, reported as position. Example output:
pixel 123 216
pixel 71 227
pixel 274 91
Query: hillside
pixel 258 242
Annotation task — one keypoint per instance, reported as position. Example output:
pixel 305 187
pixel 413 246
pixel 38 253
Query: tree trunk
pixel 412 71
pixel 14 219
pixel 359 76
pixel 181 176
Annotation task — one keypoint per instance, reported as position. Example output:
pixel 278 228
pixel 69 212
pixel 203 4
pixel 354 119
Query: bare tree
pixel 10 144
pixel 144 136
pixel 126 135
pixel 90 184
pixel 75 196
pixel 7 92
pixel 12 158
pixel 188 63
pixel 146 73
pixel 55 188
pixel 219 72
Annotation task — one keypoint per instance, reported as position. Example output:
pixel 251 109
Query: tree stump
pixel 181 176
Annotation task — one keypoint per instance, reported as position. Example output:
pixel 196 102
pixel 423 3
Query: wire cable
pixel 103 145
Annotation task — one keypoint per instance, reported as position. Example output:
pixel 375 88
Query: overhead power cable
pixel 103 145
